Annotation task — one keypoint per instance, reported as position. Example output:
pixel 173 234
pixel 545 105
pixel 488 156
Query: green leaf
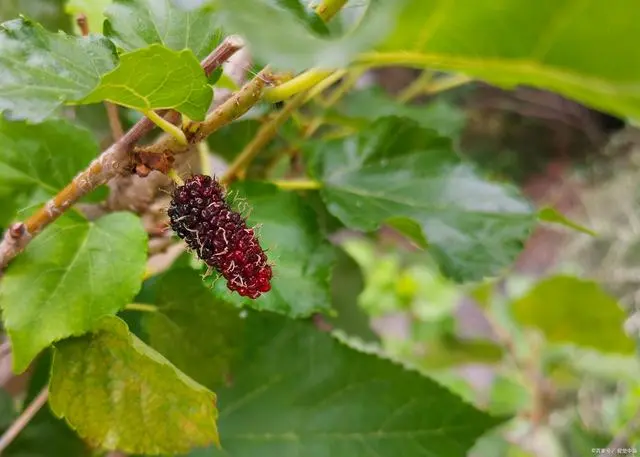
pixel 8 209
pixel 300 257
pixel 551 44
pixel 70 276
pixel 229 140
pixel 93 9
pixel 118 393
pixel 157 78
pixel 578 439
pixel 372 104
pixel 40 70
pixel 508 396
pixel 347 283
pixel 305 13
pixel 302 392
pixel 192 328
pixel 581 362
pixel 549 214
pixel 572 310
pixel 134 24
pixel 279 36
pixel 49 13
pixel 474 227
pixel 44 156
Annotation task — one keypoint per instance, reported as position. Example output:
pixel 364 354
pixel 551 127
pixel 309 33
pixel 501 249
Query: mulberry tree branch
pixel 115 160
pixel 112 162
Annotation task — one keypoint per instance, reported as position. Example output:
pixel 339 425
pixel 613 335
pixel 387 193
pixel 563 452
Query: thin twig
pixel 83 24
pixel 115 125
pixel 416 87
pixel 112 162
pixel 5 349
pixel 21 422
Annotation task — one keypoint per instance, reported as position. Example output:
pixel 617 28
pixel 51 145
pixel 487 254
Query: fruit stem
pixel 205 163
pixel 174 177
pixel 168 127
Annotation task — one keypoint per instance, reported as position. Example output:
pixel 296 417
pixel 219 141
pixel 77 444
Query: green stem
pixel 299 184
pixel 142 307
pixel 335 96
pixel 204 152
pixel 168 127
pixel 446 83
pixel 329 8
pixel 300 83
pixel 419 60
pixel 416 87
pixel 239 103
pixel 324 85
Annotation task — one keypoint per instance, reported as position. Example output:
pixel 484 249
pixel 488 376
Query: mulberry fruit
pixel 201 216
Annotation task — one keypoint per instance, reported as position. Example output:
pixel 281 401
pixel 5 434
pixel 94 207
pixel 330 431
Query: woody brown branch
pixel 113 162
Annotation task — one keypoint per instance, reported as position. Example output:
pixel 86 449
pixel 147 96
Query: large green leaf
pixel 40 70
pixel 45 156
pixel 582 49
pixel 572 310
pixel 118 393
pixel 70 276
pixel 278 35
pixel 299 391
pixel 301 258
pixel 134 24
pixel 399 173
pixel 192 328
pixel 157 78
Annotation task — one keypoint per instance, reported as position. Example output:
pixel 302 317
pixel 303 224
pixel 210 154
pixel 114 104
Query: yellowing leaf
pixel 118 393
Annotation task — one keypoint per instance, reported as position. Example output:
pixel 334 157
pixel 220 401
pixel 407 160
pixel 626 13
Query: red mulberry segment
pixel 200 215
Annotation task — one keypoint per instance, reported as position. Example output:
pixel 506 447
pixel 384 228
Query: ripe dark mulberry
pixel 201 216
